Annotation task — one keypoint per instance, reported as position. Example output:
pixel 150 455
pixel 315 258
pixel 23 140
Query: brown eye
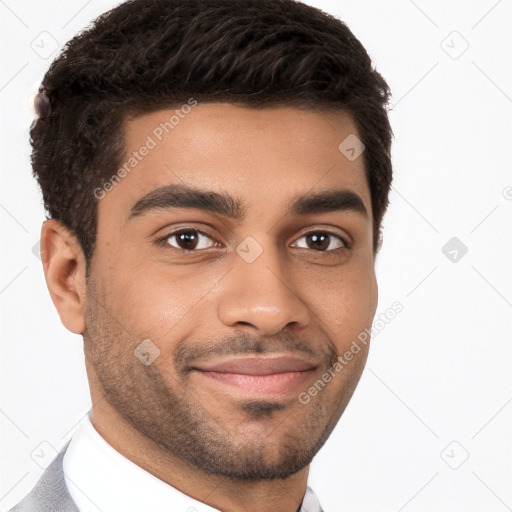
pixel 188 239
pixel 321 241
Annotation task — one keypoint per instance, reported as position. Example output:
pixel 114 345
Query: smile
pixel 262 376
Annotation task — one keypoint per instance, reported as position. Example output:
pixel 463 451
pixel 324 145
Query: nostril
pixel 246 323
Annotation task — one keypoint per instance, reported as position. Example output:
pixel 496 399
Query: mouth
pixel 261 376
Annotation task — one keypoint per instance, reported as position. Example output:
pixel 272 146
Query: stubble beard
pixel 182 427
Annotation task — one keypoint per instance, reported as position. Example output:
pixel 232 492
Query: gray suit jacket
pixel 50 493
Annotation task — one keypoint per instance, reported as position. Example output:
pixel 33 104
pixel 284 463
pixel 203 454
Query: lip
pixel 259 375
pixel 258 365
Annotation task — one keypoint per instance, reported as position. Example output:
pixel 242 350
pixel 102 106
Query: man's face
pixel 250 303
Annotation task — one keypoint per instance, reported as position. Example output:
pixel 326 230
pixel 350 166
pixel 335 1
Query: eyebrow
pixel 184 196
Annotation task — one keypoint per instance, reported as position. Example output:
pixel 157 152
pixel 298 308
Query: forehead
pixel 263 155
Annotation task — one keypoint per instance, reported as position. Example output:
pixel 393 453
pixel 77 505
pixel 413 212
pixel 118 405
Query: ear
pixel 64 270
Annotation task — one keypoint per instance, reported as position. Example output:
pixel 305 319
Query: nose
pixel 262 295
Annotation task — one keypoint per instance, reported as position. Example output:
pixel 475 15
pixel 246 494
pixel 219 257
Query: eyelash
pixel 163 242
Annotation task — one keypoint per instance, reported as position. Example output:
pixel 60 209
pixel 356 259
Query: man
pixel 215 174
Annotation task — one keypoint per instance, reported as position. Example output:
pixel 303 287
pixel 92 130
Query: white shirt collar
pixel 121 484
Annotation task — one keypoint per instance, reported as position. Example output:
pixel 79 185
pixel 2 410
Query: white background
pixel 439 373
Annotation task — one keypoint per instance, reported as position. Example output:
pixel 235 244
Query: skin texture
pixel 230 449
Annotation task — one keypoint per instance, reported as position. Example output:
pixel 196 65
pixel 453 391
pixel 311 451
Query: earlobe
pixel 64 270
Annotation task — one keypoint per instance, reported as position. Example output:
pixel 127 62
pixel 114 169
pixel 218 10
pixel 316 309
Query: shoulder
pixel 50 492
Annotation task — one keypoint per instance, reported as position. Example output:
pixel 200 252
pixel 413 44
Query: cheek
pixel 346 305
pixel 155 300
